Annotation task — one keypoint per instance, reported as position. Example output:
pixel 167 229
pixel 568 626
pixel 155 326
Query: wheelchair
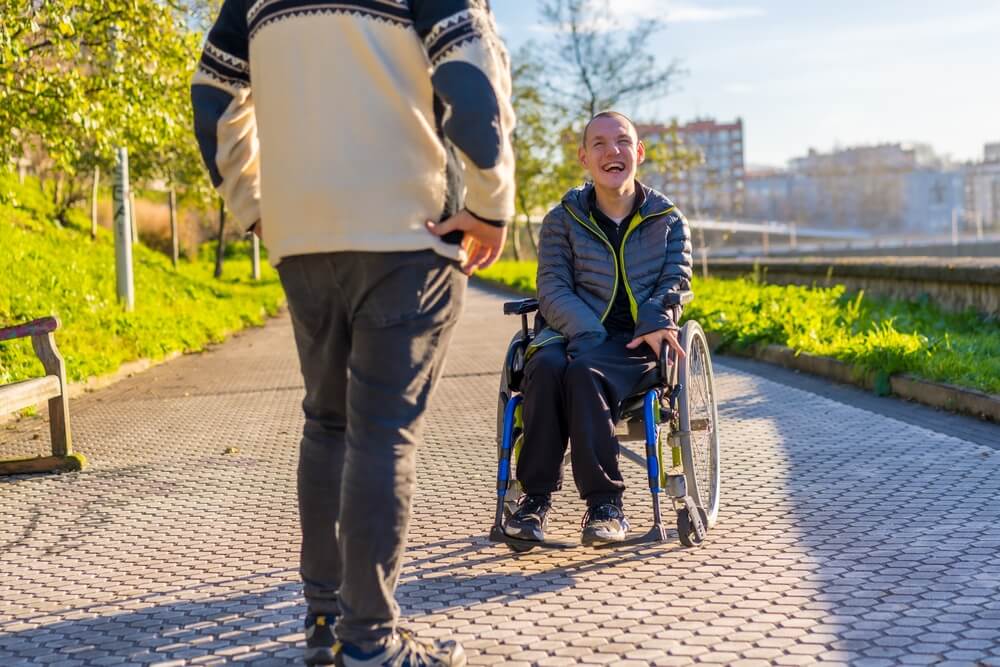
pixel 677 418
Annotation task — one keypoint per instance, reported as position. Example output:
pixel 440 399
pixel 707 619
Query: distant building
pixel 982 188
pixel 888 188
pixel 714 187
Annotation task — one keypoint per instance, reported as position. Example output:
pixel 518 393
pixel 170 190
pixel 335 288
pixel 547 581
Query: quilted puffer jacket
pixel 578 275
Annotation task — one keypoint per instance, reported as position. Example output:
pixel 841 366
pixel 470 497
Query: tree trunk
pixel 531 235
pixel 93 203
pixel 515 240
pixel 220 247
pixel 174 250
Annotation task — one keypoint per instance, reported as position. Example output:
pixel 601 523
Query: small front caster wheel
pixel 520 548
pixel 685 529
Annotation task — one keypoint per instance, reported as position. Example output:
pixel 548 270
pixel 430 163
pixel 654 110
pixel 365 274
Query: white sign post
pixel 123 232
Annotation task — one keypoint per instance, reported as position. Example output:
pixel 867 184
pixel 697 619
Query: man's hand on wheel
pixel 655 341
pixel 481 242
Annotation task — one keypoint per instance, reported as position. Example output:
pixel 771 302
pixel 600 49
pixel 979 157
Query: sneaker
pixel 528 520
pixel 603 524
pixel 320 642
pixel 404 650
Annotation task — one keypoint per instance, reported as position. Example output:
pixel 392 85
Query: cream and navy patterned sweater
pixel 345 125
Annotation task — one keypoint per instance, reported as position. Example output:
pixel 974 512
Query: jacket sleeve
pixel 224 120
pixel 675 276
pixel 470 72
pixel 558 301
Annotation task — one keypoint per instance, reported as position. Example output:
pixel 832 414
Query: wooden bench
pixel 52 388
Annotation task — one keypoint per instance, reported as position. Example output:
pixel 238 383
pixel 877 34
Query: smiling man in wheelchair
pixel 609 257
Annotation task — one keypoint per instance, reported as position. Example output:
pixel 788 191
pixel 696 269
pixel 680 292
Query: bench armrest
pixel 34 328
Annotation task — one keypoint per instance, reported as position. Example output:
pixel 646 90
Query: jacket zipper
pixel 621 255
pixel 597 232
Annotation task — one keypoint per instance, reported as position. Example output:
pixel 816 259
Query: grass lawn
pixel 50 269
pixel 882 336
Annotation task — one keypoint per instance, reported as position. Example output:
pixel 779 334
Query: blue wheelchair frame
pixel 655 407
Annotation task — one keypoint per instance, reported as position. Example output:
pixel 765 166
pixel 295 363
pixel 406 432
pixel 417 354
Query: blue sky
pixel 820 73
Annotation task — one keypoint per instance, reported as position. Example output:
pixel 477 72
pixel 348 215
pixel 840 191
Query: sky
pixel 821 73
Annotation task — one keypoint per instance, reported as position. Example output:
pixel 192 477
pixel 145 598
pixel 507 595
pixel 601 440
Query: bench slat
pixel 22 394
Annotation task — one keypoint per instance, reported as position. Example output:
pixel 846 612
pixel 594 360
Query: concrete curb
pixel 934 394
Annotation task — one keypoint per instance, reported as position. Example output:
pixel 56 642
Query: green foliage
pixel 78 79
pixel 879 336
pixel 54 270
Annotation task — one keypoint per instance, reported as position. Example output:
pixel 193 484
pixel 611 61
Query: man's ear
pixel 581 155
pixel 640 153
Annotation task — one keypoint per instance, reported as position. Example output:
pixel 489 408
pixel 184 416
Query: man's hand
pixel 655 341
pixel 481 242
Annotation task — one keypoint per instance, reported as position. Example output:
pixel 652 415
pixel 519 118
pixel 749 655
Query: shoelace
pixel 604 512
pixel 532 505
pixel 413 652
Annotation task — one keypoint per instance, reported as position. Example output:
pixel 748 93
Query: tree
pixel 590 63
pixel 594 62
pixel 78 79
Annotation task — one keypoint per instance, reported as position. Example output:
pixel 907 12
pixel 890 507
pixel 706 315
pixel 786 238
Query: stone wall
pixel 954 284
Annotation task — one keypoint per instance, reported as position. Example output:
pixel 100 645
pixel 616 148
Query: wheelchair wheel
pixel 699 417
pixel 513 486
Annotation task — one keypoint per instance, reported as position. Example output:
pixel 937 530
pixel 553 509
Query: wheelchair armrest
pixel 521 307
pixel 679 298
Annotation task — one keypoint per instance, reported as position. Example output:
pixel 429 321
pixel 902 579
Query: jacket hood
pixel 656 202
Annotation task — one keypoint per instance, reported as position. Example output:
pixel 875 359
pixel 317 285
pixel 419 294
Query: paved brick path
pixel 845 536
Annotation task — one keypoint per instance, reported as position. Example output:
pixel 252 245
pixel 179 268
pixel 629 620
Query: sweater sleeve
pixel 224 120
pixel 470 72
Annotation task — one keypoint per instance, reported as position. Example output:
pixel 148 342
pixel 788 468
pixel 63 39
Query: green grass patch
pixel 879 336
pixel 50 269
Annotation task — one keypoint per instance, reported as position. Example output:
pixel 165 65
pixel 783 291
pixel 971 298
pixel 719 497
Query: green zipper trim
pixel 532 347
pixel 632 226
pixel 597 231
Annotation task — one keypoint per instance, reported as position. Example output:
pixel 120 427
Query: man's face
pixel 611 152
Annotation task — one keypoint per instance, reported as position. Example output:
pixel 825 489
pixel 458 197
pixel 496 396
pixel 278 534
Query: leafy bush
pixel 880 336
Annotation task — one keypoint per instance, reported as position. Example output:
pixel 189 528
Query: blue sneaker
pixel 404 650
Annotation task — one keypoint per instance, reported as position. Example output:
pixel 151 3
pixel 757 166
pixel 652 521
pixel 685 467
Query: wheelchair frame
pixel 664 407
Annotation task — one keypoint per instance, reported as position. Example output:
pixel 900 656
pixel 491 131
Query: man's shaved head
pixel 608 114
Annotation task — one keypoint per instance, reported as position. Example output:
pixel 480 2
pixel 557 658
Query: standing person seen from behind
pixel 609 255
pixel 368 144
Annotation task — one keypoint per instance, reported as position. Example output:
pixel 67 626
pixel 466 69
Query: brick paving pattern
pixel 844 537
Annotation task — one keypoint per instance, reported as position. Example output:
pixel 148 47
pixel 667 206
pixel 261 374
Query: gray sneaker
pixel 405 650
pixel 604 524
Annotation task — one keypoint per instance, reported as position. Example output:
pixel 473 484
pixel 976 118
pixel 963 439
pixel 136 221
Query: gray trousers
pixel 371 331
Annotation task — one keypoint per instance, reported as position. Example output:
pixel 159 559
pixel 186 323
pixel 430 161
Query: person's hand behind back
pixel 481 241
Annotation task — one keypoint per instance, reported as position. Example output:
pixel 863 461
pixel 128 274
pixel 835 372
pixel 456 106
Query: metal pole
pixel 93 203
pixel 954 226
pixel 256 255
pixel 220 247
pixel 979 226
pixel 123 232
pixel 174 250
